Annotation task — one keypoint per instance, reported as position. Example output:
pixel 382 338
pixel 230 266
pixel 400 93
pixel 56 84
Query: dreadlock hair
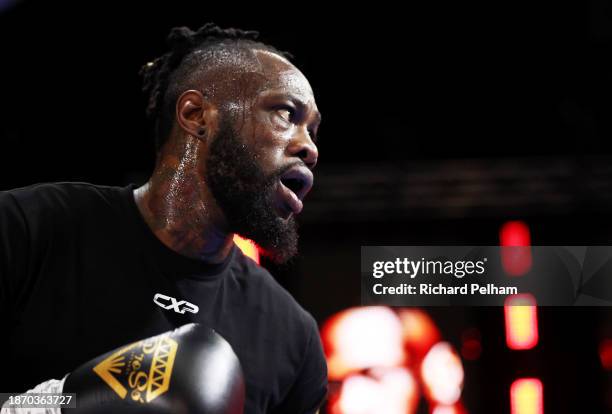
pixel 191 53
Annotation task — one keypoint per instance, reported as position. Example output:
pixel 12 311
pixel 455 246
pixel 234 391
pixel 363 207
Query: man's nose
pixel 303 148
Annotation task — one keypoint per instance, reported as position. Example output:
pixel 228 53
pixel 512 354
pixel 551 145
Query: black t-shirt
pixel 79 269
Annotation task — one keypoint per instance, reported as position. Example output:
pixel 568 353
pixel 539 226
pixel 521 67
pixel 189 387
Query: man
pixel 85 269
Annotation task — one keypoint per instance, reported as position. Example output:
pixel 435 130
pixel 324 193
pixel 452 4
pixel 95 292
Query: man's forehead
pixel 282 74
pixel 258 72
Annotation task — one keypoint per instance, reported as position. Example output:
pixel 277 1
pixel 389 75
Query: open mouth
pixel 295 183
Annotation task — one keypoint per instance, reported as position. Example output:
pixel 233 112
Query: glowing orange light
pixel 419 331
pixel 520 312
pixel 605 354
pixel 442 374
pixel 359 394
pixel 361 338
pixel 526 396
pixel 248 247
pixel 385 390
pixel 515 242
pixel 444 409
pixel 448 409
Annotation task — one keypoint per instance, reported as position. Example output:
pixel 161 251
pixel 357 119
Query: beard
pixel 245 194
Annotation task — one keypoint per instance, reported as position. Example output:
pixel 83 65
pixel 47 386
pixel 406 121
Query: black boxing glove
pixel 188 370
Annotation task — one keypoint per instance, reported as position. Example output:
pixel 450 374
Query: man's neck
pixel 174 205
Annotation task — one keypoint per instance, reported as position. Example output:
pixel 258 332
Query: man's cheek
pixel 274 159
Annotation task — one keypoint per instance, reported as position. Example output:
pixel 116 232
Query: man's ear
pixel 196 115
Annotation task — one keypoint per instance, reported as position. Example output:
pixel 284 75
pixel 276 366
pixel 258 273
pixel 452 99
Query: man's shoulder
pixel 52 198
pixel 58 192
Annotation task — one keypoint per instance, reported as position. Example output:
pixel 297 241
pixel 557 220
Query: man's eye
pixel 285 113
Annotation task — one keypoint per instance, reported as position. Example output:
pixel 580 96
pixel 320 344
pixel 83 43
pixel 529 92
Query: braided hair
pixel 167 76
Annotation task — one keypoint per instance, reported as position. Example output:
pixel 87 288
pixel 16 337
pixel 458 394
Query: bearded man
pixel 85 269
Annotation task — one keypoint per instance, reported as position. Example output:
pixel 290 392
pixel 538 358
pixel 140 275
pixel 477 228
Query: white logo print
pixel 168 302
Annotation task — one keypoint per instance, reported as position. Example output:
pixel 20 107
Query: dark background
pixel 440 124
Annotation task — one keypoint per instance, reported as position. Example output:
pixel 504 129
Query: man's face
pixel 260 161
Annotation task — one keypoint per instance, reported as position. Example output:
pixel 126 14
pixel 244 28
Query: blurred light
pixel 526 396
pixel 521 320
pixel 515 242
pixel 515 233
pixel 362 338
pixel 605 354
pixel 401 389
pixel 471 347
pixel 442 374
pixel 419 332
pixel 359 394
pixel 446 409
pixel 387 390
pixel 248 247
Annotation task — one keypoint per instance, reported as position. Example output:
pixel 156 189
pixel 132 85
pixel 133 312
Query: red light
pixel 526 396
pixel 248 247
pixel 471 347
pixel 515 242
pixel 521 319
pixel 605 354
pixel 515 233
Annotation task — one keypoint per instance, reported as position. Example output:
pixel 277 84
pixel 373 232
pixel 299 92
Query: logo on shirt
pixel 168 302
